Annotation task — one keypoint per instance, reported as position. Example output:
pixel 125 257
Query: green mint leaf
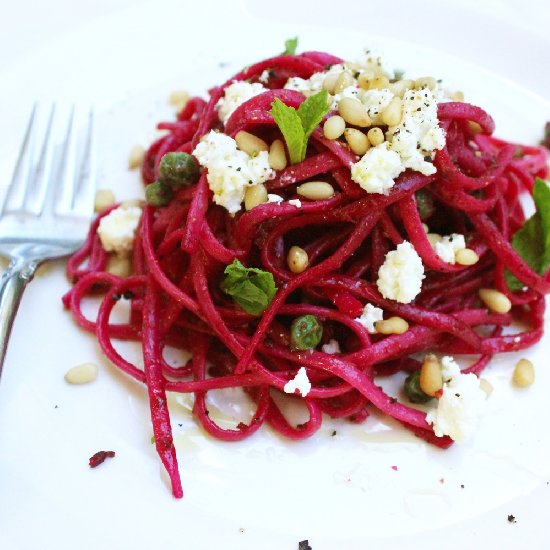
pixel 253 289
pixel 532 241
pixel 290 46
pixel 298 125
pixel 312 111
pixel 290 124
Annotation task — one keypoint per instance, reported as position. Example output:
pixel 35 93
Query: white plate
pixel 339 492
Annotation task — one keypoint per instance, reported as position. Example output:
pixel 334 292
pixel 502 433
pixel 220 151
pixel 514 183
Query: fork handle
pixel 12 284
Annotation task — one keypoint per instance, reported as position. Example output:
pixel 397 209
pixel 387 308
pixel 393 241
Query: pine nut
pixel 392 113
pixel 400 87
pixel 297 259
pixel 316 190
pixel 376 136
pixel 82 374
pixel 254 196
pixel 135 158
pixel 524 373
pixel 466 256
pixel 393 325
pixel 425 228
pixel 334 127
pixel 345 80
pixel 250 143
pixel 103 199
pixel 330 82
pixel 353 112
pixel 379 83
pixel 426 82
pixel 496 301
pixel 357 141
pixel 434 238
pixel 458 96
pixel 486 386
pixel 119 265
pixel 431 380
pixel 277 155
pixel 178 99
pixel 474 127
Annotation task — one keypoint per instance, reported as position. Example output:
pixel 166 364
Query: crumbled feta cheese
pixel 331 347
pixel 448 246
pixel 369 317
pixel 461 404
pixel 376 170
pixel 295 202
pixel 375 102
pixel 300 382
pixel 274 198
pixel 117 229
pixel 313 84
pixel 235 95
pixel 400 276
pixel 418 134
pixel 230 171
pixel 264 77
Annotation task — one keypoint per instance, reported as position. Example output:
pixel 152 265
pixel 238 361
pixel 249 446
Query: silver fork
pixel 48 207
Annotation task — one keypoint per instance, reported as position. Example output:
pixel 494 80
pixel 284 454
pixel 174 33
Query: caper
pixel 413 390
pixel 305 332
pixel 178 169
pixel 158 194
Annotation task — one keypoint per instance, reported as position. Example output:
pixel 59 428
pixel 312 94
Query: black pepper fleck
pixel 333 433
pixel 304 545
pixel 511 518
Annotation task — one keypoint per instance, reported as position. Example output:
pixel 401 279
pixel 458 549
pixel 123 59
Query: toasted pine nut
pixel 250 143
pixel 277 155
pixel 379 83
pixel 458 96
pixel 315 190
pixel 103 199
pixel 353 112
pixel 82 374
pixel 474 127
pixel 334 127
pixel 431 380
pixel 524 373
pixel 179 98
pixel 357 141
pixel 496 301
pixel 376 136
pixel 392 113
pixel 119 265
pixel 135 158
pixel 330 82
pixel 486 386
pixel 400 87
pixel 466 256
pixel 434 238
pixel 393 325
pixel 297 259
pixel 344 81
pixel 426 82
pixel 254 196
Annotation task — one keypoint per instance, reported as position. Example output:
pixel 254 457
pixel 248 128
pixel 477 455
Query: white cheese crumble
pixel 264 77
pixel 118 228
pixel 313 84
pixel 400 276
pixel 331 347
pixel 230 171
pixel 418 134
pixel 461 404
pixel 295 202
pixel 448 246
pixel 377 169
pixel 235 95
pixel 274 198
pixel 369 317
pixel 300 382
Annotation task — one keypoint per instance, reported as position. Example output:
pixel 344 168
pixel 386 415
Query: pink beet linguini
pixel 212 267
